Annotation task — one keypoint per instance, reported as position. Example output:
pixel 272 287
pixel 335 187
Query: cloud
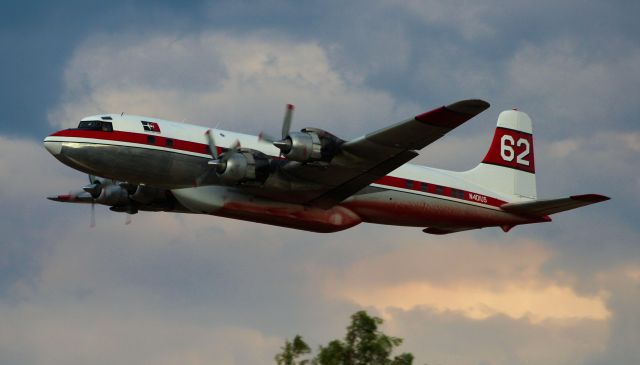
pixel 188 289
pixel 468 19
pixel 484 281
pixel 576 83
pixel 240 82
pixel 623 284
pixel 454 339
pixel 81 333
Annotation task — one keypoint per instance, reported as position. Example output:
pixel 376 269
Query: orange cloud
pixel 476 279
pixel 534 302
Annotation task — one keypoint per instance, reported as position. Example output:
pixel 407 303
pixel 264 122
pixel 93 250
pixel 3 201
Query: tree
pixel 363 344
pixel 292 351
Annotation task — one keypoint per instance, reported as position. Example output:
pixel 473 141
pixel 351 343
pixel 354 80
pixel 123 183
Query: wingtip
pixel 591 198
pixel 469 107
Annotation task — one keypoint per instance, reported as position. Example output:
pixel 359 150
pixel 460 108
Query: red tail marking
pixel 513 149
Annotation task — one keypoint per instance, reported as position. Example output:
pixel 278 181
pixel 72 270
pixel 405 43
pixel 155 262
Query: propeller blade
pixel 284 145
pixel 93 213
pixel 265 137
pixel 93 189
pixel 286 123
pixel 216 163
pixel 212 144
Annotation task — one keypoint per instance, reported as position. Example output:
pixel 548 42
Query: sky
pixel 181 289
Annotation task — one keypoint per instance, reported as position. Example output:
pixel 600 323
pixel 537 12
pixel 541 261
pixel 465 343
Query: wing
pixel 364 160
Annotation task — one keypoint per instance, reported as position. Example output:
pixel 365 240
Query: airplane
pixel 309 180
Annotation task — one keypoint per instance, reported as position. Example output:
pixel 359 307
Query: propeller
pixel 286 123
pixel 213 150
pixel 215 161
pixel 218 162
pixel 94 188
pixel 286 127
pixel 93 214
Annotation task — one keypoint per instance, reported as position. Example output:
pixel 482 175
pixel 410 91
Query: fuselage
pixel 174 156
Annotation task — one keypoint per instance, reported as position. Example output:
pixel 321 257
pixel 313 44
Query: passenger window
pixel 409 184
pixel 424 186
pixel 439 189
pixel 169 142
pixel 151 140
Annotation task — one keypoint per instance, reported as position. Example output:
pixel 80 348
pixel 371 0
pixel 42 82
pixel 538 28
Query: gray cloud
pixel 449 338
pixel 192 289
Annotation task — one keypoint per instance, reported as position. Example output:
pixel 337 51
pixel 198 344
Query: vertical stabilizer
pixel 509 166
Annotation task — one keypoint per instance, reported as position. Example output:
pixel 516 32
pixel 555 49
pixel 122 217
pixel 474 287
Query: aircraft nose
pixel 54 147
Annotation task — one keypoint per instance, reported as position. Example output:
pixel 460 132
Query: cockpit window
pixel 96 125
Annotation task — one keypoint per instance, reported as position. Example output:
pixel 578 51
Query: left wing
pixel 366 159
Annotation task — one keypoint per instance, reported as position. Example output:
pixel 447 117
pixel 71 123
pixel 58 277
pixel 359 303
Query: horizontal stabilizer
pixel 539 208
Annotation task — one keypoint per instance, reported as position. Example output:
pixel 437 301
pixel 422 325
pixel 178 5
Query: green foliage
pixel 291 351
pixel 363 344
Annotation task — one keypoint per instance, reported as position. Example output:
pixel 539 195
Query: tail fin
pixel 509 166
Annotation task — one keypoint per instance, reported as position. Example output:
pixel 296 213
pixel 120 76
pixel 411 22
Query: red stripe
pixel 432 189
pixel 182 145
pixel 443 117
pixel 140 138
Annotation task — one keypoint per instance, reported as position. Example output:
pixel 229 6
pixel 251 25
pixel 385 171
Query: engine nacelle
pixel 113 195
pixel 243 166
pixel 310 144
pixel 147 194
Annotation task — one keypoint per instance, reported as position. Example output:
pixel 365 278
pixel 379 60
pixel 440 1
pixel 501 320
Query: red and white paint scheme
pixel 311 179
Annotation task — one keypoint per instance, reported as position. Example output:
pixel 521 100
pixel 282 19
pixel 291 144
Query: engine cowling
pixel 310 144
pixel 146 194
pixel 243 166
pixel 112 194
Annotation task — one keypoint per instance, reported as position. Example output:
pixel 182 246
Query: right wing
pixel 366 159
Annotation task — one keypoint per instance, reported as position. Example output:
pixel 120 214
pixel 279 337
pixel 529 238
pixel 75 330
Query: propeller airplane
pixel 309 179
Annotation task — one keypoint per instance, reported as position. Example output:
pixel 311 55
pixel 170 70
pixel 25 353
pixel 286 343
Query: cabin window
pixel 169 142
pixel 409 184
pixel 424 186
pixel 457 193
pixel 106 127
pixel 90 125
pixel 151 140
pixel 96 125
pixel 439 189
